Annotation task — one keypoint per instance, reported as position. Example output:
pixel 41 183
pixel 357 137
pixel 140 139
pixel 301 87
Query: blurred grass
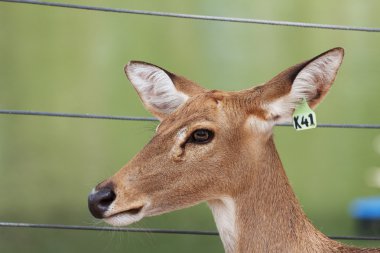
pixel 65 60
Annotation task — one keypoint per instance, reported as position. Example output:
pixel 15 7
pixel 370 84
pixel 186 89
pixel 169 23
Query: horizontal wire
pixel 75 115
pixel 116 229
pixel 110 117
pixel 149 230
pixel 200 17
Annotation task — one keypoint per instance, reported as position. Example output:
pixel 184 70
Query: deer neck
pixel 264 215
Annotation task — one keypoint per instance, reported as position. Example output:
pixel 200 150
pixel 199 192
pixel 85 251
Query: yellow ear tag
pixel 303 117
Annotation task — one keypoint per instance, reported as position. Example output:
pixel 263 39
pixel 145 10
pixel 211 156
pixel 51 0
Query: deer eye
pixel 201 136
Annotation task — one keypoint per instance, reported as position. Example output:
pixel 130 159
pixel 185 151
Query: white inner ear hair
pixel 321 72
pixel 155 87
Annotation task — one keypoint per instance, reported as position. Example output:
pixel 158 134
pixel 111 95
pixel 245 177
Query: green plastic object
pixel 304 117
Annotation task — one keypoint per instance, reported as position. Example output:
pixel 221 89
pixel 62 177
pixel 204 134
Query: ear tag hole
pixel 304 117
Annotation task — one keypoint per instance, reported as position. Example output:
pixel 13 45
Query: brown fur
pixel 240 162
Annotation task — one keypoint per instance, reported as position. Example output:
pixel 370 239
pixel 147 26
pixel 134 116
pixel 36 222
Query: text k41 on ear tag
pixel 303 117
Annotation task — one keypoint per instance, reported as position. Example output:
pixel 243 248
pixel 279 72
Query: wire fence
pixel 199 17
pixel 76 115
pixel 149 230
pixel 131 118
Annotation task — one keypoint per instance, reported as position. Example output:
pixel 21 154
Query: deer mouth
pixel 123 214
pixel 125 217
pixel 131 211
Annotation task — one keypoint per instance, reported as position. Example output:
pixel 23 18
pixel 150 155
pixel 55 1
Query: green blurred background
pixel 64 60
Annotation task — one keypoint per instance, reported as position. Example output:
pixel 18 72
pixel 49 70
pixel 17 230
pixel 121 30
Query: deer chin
pixel 126 217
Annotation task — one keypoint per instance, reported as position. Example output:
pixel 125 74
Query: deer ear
pixel 310 80
pixel 161 91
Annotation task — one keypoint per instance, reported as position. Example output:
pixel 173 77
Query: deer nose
pixel 99 201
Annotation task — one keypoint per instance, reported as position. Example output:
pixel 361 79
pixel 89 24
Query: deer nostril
pixel 99 202
pixel 107 198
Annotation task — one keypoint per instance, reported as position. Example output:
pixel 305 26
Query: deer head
pixel 212 146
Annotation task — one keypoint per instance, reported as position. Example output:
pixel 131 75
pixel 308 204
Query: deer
pixel 217 147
